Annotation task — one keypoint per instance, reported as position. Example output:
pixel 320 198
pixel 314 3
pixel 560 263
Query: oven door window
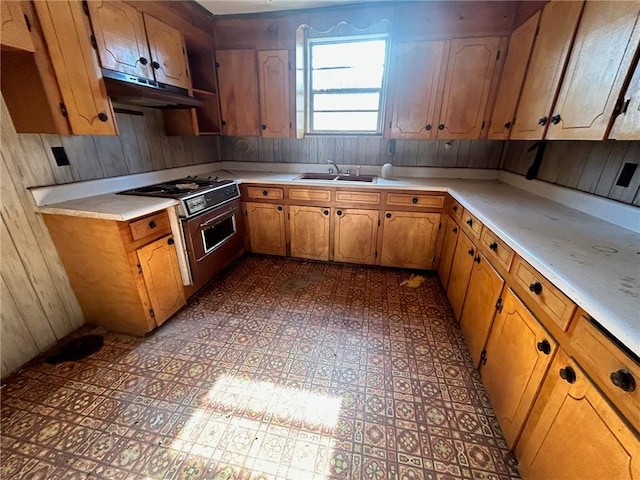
pixel 216 234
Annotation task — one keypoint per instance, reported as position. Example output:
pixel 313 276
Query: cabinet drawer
pixel 540 291
pixel 497 250
pixel 369 198
pixel 471 224
pixel 601 359
pixel 415 200
pixel 152 226
pixel 456 210
pixel 309 194
pixel 273 193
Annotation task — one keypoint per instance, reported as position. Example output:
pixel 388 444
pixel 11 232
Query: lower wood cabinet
pixel 573 432
pixel 460 273
pixel 355 235
pixel 309 232
pixel 409 239
pixel 514 363
pixel 125 276
pixel 448 249
pixel 480 303
pixel 266 225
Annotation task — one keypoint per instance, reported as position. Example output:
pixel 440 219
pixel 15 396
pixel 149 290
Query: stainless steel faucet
pixel 338 171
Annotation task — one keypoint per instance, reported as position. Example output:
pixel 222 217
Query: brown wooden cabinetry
pixel 480 304
pixel 460 273
pixel 126 276
pixel 514 362
pixel 273 76
pixel 448 249
pixel 168 53
pixel 573 432
pixel 627 123
pixel 515 67
pixel 266 225
pixel 355 235
pixel 409 239
pixel 309 232
pixel 14 32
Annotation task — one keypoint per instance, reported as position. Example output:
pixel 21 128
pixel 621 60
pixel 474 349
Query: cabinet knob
pixel 441 126
pixel 543 121
pixel 155 65
pixel 153 224
pixel 263 126
pixel 556 119
pixel 454 208
pixel 103 117
pixel 544 346
pixel 339 212
pixel 470 222
pixel 493 246
pixel 170 241
pixel 143 60
pixel 623 379
pixel 326 212
pixel 471 252
pixel 388 215
pixel 428 127
pixel 507 125
pixel 568 374
pixel 414 200
pixel 265 193
pixel 279 208
pixel 477 259
pixel 455 230
pixel 536 288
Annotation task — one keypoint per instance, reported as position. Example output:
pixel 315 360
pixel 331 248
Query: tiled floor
pixel 279 369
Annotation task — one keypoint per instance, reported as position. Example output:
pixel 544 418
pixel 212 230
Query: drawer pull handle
pixel 493 246
pixel 170 241
pixel 536 288
pixel 556 119
pixel 263 126
pixel 153 224
pixel 471 252
pixel 428 127
pixel 279 208
pixel 103 117
pixel 623 379
pixel 568 374
pixel 143 61
pixel 155 65
pixel 544 346
pixel 455 230
pixel 388 215
pixel 441 126
pixel 470 222
pixel 477 259
pixel 326 212
pixel 543 121
pixel 265 193
pixel 414 200
pixel 339 212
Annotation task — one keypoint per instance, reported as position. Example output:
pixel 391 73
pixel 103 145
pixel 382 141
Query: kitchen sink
pixel 340 178
pixel 317 176
pixel 356 178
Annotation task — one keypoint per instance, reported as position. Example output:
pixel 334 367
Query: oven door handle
pixel 225 214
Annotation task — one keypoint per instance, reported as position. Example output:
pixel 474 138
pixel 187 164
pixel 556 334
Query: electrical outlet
pixel 61 156
pixel 626 174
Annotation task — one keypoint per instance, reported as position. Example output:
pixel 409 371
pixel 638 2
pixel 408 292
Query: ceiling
pixel 231 7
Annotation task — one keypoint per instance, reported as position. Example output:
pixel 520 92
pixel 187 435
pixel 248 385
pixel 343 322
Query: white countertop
pixel 594 262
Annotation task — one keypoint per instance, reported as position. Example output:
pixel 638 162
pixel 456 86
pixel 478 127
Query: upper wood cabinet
pixel 138 44
pixel 273 76
pixel 59 87
pixel 416 75
pixel 471 69
pixel 573 432
pixel 515 67
pixel 558 23
pixel 605 45
pixel 14 32
pixel 409 239
pixel 627 122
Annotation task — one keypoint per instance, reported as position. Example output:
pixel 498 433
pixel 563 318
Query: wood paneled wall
pixel 592 167
pixel 365 151
pixel 38 306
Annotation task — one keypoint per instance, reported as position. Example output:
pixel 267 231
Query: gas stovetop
pixel 196 195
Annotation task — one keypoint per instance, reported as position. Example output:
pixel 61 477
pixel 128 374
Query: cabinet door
pixel 66 29
pixel 266 228
pixel 517 358
pixel 121 39
pixel 309 232
pixel 168 53
pixel 409 239
pixel 627 124
pixel 470 72
pixel 273 71
pixel 598 66
pixel 448 249
pixel 162 278
pixel 485 286
pixel 416 77
pixel 238 85
pixel 355 235
pixel 14 32
pixel 515 67
pixel 575 416
pixel 557 25
pixel 460 273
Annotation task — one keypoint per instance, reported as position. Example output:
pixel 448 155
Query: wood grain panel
pixel 355 236
pixel 309 232
pixel 13 31
pixel 409 239
pixel 273 74
pixel 167 48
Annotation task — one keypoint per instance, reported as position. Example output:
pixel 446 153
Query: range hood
pixel 141 92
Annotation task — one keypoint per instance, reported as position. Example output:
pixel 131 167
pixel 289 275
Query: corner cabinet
pixel 125 274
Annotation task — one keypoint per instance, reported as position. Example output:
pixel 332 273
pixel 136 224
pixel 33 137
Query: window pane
pixel 346 101
pixel 348 54
pixel 335 78
pixel 345 121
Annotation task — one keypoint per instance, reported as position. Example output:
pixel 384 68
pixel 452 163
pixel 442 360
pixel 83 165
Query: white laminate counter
pixel 595 263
